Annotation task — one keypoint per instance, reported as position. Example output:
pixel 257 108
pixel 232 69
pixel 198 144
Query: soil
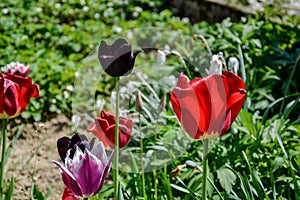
pixel 30 159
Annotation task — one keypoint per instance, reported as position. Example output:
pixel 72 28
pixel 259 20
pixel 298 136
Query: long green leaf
pixel 9 193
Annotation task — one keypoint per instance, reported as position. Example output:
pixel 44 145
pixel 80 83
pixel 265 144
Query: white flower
pixel 215 65
pixel 85 8
pixel 70 88
pixel 97 16
pixel 161 57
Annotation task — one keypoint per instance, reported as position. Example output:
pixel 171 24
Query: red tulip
pixel 15 94
pixel 104 129
pixel 206 107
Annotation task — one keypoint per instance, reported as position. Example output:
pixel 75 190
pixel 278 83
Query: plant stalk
pixel 4 127
pixel 205 153
pixel 142 159
pixel 116 156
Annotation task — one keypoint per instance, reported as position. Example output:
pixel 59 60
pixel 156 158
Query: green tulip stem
pixel 205 153
pixel 116 157
pixel 142 159
pixel 3 138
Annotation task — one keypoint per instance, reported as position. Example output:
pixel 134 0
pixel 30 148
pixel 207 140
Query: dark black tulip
pixel 117 59
pixel 65 144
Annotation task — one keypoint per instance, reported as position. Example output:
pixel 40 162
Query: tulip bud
pixel 162 104
pixel 233 64
pixel 138 101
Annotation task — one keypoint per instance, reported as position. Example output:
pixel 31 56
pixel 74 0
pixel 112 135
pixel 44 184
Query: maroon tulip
pixel 15 94
pixel 85 172
pixel 117 59
pixel 104 129
pixel 206 107
pixel 16 68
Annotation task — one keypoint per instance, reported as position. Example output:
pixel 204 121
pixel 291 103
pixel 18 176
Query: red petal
pixel 11 97
pixel 68 195
pixel 97 130
pixel 109 117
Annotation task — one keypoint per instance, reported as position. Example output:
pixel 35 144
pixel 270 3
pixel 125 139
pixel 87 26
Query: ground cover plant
pixel 75 51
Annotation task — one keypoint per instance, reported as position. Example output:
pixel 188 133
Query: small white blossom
pixel 96 15
pixel 38 9
pixel 5 11
pixel 161 57
pixel 58 5
pixel 117 29
pixel 66 94
pixel 215 65
pixel 70 88
pixel 85 8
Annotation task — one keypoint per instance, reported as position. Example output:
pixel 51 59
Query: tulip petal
pixel 116 45
pixel 98 131
pixel 1 95
pixel 106 170
pixel 109 117
pixel 104 49
pixel 68 195
pixel 69 180
pixel 211 103
pixel 88 173
pixel 11 96
pixel 63 145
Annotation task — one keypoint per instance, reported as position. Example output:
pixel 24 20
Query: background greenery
pixel 258 159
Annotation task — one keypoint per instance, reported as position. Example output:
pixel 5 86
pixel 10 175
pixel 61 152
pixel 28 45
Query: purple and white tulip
pixel 84 173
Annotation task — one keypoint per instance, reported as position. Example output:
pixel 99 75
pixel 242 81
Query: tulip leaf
pixel 227 178
pixel 278 163
pixel 9 193
pixel 36 194
pixel 181 189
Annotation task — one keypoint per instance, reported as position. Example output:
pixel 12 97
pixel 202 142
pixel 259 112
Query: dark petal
pixel 117 44
pixel 132 59
pixel 104 49
pixel 123 50
pixel 106 61
pixel 63 145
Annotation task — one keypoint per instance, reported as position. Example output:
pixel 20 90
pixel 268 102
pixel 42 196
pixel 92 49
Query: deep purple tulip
pixel 117 59
pixel 85 172
pixel 64 144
